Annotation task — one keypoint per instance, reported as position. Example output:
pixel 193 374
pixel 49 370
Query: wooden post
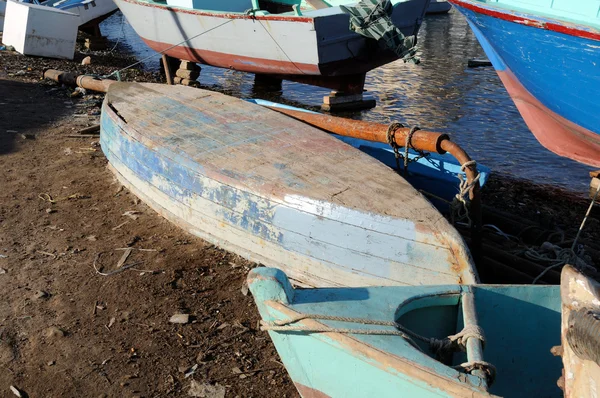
pixel 167 67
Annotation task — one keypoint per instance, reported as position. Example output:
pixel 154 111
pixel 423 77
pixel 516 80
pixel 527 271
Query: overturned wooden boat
pixel 276 190
pixel 432 341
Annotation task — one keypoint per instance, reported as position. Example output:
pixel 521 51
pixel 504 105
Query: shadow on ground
pixel 26 109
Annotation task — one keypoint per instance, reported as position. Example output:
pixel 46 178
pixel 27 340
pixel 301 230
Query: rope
pixel 459 207
pixel 408 144
pixel 587 214
pixel 485 367
pixel 454 343
pixel 391 139
pixel 121 35
pixel 282 50
pixel 118 72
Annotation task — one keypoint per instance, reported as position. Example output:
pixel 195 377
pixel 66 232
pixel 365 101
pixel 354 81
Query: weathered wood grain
pixel 273 188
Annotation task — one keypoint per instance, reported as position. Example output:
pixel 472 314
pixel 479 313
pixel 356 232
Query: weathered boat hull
pixel 318 43
pixel 521 324
pixel 276 190
pixel 550 70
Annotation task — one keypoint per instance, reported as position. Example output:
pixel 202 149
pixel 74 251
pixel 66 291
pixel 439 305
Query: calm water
pixel 439 94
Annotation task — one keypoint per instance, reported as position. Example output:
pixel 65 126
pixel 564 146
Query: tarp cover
pixel 372 19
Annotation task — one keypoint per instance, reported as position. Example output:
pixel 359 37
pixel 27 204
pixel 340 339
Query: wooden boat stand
pixel 347 94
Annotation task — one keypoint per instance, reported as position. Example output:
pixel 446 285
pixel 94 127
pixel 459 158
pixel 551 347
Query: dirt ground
pixel 68 331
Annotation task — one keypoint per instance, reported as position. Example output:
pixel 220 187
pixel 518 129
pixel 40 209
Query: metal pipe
pixel 474 346
pixel 83 81
pixel 421 140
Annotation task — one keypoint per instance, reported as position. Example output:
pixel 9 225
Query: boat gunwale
pixel 385 360
pixel 529 19
pixel 228 15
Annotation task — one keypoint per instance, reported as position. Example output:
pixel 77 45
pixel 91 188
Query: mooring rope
pixel 459 206
pixel 453 343
pixel 118 72
pixel 391 139
pixel 488 369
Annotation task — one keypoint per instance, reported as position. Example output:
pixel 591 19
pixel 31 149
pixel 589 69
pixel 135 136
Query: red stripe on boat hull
pixel 237 62
pixel 548 24
pixel 553 131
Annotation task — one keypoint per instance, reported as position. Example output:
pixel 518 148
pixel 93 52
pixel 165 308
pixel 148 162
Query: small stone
pixel 92 238
pixel 245 289
pixel 180 318
pixel 20 73
pixel 54 332
pixel 206 390
pixel 28 136
pixel 40 294
pixel 50 211
pixel 51 363
pixel 16 391
pixel 2 271
pixel 86 61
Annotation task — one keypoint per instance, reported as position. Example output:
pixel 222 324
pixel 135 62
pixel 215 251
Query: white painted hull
pixel 92 11
pixel 254 193
pixel 316 43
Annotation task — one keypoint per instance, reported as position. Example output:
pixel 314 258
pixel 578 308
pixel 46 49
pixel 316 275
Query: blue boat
pixel 275 190
pixel 436 175
pixel 546 54
pixel 433 341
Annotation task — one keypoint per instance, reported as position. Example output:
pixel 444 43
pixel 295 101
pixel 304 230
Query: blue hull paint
pixel 561 71
pixel 436 174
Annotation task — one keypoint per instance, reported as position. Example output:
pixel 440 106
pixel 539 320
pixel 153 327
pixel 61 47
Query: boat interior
pixel 584 12
pixel 511 318
pixel 521 324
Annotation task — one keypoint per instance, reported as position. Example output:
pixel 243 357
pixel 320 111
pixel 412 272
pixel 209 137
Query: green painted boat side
pixel 521 324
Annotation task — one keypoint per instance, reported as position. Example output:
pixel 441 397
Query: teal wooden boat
pixel 330 343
